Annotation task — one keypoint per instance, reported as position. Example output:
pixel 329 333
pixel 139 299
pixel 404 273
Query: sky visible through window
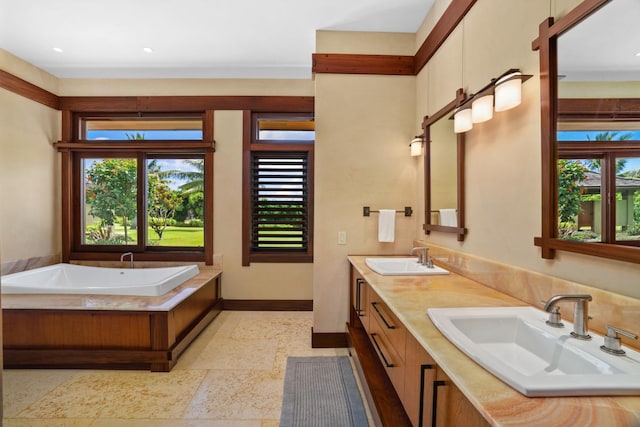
pixel 165 164
pixel 572 135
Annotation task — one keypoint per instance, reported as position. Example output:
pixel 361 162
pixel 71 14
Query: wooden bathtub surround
pixel 440 385
pixel 108 331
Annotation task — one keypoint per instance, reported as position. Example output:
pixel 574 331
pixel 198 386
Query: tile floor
pixel 232 375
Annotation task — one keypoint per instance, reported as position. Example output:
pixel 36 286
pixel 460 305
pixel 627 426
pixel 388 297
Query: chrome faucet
pixel 580 313
pixel 422 254
pixel 127 254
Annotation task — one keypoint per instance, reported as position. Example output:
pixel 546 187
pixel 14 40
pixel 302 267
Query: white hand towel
pixel 449 217
pixel 386 225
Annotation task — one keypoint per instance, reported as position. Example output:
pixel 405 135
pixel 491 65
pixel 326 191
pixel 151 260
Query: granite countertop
pixel 164 302
pixel 409 297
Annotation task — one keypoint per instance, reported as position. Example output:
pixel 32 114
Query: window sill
pixel 279 258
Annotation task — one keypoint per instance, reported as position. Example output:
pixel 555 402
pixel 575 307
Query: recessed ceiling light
pixel 638 54
pixel 147 49
pixel 57 49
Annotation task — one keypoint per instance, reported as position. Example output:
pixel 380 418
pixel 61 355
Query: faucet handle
pixel 555 319
pixel 612 340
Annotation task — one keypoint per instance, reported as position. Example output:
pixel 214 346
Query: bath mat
pixel 321 391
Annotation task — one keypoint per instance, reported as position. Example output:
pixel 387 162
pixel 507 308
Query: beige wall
pixel 260 280
pixel 363 128
pixel 503 155
pixel 29 170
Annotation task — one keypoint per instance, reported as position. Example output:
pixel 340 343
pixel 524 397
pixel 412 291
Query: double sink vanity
pixel 435 348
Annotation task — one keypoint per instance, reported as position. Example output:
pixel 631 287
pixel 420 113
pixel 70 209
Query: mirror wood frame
pixel 546 44
pixel 460 230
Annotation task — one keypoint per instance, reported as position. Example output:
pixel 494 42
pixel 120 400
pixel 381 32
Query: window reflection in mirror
pixel 591 131
pixel 596 70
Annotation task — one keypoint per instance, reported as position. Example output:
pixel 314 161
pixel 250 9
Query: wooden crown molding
pixel 28 90
pixel 344 63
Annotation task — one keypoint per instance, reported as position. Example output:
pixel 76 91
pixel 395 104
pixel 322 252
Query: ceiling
pixel 604 47
pixel 189 38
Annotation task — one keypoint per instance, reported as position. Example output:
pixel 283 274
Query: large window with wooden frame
pixel 139 183
pixel 278 188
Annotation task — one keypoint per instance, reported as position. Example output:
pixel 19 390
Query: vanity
pixel 413 375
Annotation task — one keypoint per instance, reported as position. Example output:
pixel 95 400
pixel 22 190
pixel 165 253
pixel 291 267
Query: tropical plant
pixel 596 164
pixel 162 200
pixel 111 191
pixel 570 173
pixel 194 179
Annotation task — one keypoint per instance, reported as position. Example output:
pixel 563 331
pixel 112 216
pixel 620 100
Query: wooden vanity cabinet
pixel 452 408
pixel 382 346
pixel 419 386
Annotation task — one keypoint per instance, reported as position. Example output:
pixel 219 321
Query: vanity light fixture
pixel 482 108
pixel 462 120
pixel 509 89
pixel 416 146
pixel 501 94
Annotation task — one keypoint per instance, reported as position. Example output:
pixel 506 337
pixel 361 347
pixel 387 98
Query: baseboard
pixel 267 305
pixel 328 339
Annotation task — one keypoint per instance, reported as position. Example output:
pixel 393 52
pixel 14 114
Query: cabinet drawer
pixel 393 364
pixel 390 326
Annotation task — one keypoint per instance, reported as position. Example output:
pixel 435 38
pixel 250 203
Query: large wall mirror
pixel 590 89
pixel 444 172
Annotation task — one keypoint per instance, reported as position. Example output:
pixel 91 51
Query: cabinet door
pixel 452 407
pixel 420 376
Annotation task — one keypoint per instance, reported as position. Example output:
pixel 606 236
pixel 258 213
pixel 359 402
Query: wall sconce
pixel 416 145
pixel 501 94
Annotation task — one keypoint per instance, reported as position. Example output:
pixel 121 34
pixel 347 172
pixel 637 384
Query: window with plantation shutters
pixel 279 202
pixel 278 186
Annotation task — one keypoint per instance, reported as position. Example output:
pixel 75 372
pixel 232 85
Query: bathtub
pixel 80 279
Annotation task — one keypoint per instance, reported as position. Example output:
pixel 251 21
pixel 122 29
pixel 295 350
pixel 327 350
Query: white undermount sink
pixel 402 267
pixel 516 345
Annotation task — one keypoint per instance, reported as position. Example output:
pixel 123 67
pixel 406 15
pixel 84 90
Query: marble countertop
pixel 409 297
pixel 111 302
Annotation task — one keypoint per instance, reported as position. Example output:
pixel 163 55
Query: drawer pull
pixel 359 283
pixel 384 359
pixel 387 324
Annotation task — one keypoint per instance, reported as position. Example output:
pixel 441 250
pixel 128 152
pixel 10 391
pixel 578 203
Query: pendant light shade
pixel 482 109
pixel 508 91
pixel 462 121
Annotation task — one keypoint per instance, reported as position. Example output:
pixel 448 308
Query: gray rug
pixel 321 391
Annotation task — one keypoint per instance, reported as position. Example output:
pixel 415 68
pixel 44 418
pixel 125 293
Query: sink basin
pixel 516 345
pixel 401 267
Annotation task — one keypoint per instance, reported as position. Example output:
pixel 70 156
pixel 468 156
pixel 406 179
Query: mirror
pixel 444 172
pixel 590 90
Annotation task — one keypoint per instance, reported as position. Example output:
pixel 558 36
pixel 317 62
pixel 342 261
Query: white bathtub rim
pixel 63 279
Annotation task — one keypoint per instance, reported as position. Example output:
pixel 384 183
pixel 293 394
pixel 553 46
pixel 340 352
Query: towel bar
pixel 366 211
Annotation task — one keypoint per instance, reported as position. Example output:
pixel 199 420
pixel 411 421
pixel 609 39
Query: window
pixel 278 189
pixel 140 185
pixel 599 184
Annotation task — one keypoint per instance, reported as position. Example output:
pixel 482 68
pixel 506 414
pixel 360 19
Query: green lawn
pixel 172 236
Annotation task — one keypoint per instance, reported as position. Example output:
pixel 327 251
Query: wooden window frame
pixel 73 149
pixel 251 144
pixel 607 152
